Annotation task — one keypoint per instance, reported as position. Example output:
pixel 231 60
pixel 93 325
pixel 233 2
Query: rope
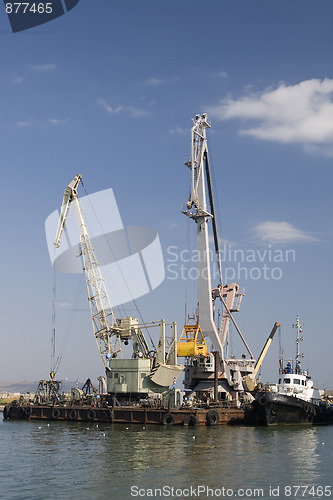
pixel 53 331
pixel 69 325
pixel 115 260
pixel 215 191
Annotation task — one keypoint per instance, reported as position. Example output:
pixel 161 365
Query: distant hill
pixel 31 387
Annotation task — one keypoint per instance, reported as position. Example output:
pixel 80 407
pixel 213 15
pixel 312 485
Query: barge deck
pixel 128 414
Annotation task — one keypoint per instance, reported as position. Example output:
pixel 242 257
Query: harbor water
pixel 73 460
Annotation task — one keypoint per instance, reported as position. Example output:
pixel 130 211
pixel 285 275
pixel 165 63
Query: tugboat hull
pixel 276 409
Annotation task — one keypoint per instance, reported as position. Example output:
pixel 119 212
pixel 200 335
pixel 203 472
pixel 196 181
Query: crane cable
pixel 218 219
pixel 115 260
pixel 53 331
pixel 69 325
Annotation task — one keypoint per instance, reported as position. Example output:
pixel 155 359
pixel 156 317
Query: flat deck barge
pixel 135 414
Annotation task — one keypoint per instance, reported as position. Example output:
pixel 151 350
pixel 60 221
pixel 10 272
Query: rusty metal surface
pixel 127 414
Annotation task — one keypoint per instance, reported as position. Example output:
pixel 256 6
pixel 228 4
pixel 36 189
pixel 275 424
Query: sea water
pixel 75 460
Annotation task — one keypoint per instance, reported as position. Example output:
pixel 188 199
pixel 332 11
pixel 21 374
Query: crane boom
pixel 197 210
pixel 265 349
pixel 107 333
pixel 229 295
pixel 69 195
pixel 229 372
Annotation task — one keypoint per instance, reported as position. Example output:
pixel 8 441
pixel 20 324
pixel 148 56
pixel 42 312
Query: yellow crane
pixel 250 382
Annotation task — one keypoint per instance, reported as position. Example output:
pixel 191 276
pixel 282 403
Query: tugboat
pixel 294 400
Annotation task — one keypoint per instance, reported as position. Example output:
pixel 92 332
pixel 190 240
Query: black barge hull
pixel 127 414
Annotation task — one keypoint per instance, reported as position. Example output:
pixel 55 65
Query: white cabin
pixel 296 382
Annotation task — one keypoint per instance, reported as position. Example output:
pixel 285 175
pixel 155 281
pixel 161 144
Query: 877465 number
pixel 26 7
pixel 309 490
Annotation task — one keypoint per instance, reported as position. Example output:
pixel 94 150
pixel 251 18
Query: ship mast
pixel 299 330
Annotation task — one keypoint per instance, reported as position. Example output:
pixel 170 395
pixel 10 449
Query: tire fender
pixel 55 413
pixel 190 420
pixel 212 417
pixel 91 415
pixel 168 419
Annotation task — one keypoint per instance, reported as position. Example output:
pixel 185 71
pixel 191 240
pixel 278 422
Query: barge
pixel 134 414
pixel 90 405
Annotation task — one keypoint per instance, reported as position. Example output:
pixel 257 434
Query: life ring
pixel 6 412
pixel 212 417
pixel 91 415
pixel 190 420
pixel 168 419
pixel 72 415
pixel 55 413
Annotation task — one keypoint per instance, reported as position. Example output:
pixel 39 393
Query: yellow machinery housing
pixel 191 342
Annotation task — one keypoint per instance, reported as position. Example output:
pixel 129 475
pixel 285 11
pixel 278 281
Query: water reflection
pixel 96 461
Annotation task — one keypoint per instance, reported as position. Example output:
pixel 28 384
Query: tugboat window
pixel 287 380
pixel 297 381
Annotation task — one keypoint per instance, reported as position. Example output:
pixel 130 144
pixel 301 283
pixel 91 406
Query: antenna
pixel 297 325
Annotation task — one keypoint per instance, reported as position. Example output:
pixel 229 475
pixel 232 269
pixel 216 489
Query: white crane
pixel 229 294
pixel 231 371
pixel 146 372
pixel 106 331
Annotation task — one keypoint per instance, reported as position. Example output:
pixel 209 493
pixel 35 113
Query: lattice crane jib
pixel 106 331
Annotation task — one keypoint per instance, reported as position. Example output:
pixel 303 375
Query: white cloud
pixel 57 121
pixel 272 232
pixel 65 305
pixel 219 74
pixel 178 130
pixel 43 67
pixel 156 82
pixel 107 107
pixel 138 112
pixel 23 124
pixel 130 110
pixel 17 79
pixel 301 113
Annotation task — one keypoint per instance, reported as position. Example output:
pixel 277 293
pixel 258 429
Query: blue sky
pixel 109 90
